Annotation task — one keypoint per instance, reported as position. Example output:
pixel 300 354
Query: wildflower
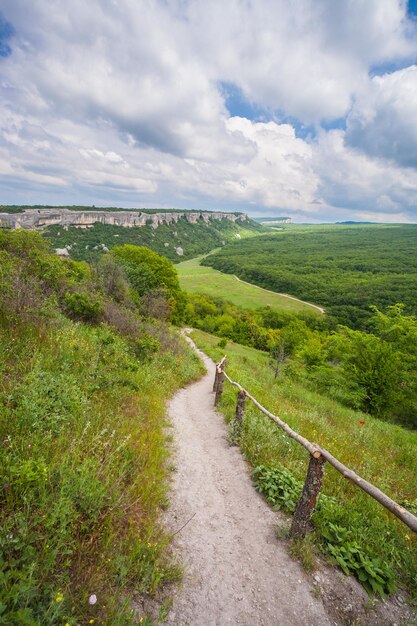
pixel 92 599
pixel 362 422
pixel 59 597
pixel 91 621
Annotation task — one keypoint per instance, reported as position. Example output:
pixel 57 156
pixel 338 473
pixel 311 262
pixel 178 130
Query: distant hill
pixel 88 232
pixel 270 221
pixel 20 208
pixel 177 241
pixel 353 222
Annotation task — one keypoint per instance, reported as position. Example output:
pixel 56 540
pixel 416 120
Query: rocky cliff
pixel 33 219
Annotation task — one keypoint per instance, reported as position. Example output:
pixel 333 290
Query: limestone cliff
pixel 33 219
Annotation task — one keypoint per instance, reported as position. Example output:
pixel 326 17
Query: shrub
pixel 84 306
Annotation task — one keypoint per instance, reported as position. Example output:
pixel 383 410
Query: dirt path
pixel 235 571
pixel 285 295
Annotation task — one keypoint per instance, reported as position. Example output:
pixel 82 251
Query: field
pixel 356 439
pixel 195 278
pixel 344 268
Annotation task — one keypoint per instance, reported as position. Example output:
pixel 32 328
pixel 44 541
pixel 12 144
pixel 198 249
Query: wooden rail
pixel 318 456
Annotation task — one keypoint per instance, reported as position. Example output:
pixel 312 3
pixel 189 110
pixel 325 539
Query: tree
pixel 148 272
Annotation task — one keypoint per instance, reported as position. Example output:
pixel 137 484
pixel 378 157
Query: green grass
pixel 380 452
pixel 84 474
pixel 196 278
pixel 84 453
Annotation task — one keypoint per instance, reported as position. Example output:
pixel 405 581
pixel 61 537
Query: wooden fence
pixel 318 457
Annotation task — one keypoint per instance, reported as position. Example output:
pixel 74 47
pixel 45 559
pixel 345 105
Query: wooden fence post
pixel 220 381
pixel 240 407
pixel 215 378
pixel 307 502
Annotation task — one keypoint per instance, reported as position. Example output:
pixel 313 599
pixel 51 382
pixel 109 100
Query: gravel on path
pixel 235 570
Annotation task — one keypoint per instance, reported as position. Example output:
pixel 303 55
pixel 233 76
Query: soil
pixel 236 570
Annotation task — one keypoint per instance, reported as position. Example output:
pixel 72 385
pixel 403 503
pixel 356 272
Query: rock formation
pixel 33 219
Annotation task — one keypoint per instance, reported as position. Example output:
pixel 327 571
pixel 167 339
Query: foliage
pixel 358 440
pixel 283 490
pixel 375 372
pixel 84 306
pixel 152 275
pixel 83 457
pixel 194 239
pixel 344 268
pixel 196 278
pixel 279 486
pixel 354 559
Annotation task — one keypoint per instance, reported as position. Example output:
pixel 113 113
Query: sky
pixel 300 108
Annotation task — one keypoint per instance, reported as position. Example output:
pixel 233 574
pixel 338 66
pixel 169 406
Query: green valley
pixel 343 268
pixel 197 278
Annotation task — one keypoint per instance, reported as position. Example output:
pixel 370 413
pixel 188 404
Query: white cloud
pixel 123 98
pixel 350 179
pixel 383 122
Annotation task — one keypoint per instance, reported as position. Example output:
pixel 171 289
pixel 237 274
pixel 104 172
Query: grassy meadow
pixel 196 278
pixel 380 452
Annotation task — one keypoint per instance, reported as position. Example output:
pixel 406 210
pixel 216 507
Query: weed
pixel 304 551
pixel 279 486
pixel 83 461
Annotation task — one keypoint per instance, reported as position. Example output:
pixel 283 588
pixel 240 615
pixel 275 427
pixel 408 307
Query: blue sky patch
pixel 6 32
pixel 237 104
pixel 412 8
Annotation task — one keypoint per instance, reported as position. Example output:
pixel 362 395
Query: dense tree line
pixel 346 269
pixel 374 371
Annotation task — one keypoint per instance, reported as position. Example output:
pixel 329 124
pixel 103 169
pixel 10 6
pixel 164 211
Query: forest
pixel 194 239
pixel 346 269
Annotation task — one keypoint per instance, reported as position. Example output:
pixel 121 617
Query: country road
pixel 284 295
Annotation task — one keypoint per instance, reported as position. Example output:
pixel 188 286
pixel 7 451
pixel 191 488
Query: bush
pixel 84 306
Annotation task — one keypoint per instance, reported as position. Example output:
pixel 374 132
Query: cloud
pixel 124 102
pixel 383 122
pixel 352 181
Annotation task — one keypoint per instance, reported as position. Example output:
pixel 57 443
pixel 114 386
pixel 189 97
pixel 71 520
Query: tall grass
pixel 83 473
pixel 382 453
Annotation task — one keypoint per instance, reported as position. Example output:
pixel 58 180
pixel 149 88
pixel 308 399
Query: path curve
pixel 285 295
pixel 235 570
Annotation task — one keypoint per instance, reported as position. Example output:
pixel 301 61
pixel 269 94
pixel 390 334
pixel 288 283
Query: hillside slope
pixel 177 242
pixel 349 519
pixel 83 462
